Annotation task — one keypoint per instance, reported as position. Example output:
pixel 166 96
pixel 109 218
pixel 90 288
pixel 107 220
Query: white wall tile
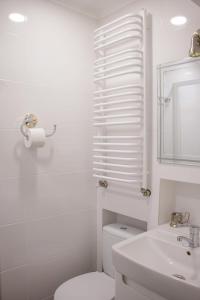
pixel 14 66
pixel 62 105
pixel 47 239
pixel 50 251
pixel 11 202
pixel 46 68
pixel 59 42
pixel 16 161
pixel 61 153
pixel 14 284
pixel 47 195
pixel 13 250
pixel 54 237
pixel 60 194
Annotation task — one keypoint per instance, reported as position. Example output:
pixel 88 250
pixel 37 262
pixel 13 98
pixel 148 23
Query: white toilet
pixel 97 285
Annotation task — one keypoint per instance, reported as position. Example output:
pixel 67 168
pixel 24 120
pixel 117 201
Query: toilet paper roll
pixel 35 137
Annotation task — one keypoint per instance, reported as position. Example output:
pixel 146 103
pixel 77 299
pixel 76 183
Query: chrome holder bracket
pixel 145 192
pixel 30 121
pixel 103 183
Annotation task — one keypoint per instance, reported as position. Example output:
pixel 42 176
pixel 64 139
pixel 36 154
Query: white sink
pixel 156 261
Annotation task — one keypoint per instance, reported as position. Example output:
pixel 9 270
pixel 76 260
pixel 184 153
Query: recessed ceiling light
pixel 178 20
pixel 18 18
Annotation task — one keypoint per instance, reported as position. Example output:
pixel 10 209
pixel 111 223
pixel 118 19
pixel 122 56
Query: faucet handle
pixel 180 219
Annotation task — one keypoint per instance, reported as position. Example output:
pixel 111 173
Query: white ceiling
pixel 96 8
pixel 99 8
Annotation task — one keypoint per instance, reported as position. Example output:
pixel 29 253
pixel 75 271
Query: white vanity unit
pixel 157 266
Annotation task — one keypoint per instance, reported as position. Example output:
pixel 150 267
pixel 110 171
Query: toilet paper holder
pixel 30 121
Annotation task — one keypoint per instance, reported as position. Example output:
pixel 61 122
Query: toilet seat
pixel 90 286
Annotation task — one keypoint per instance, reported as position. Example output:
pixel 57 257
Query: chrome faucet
pixel 194 239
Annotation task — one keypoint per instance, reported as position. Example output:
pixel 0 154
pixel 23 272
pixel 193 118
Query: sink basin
pixel 156 261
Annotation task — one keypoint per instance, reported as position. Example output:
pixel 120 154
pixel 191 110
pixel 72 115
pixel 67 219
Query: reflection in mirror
pixel 179 112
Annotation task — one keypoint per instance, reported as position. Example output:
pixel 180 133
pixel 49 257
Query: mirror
pixel 179 112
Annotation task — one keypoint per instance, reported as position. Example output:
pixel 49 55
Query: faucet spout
pixel 194 239
pixel 181 238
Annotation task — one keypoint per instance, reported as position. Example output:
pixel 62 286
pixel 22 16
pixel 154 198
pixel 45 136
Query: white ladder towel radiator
pixel 120 151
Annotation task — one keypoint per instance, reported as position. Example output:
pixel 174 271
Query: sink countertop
pixel 155 259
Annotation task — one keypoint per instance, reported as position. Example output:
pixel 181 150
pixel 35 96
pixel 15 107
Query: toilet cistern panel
pixel 113 234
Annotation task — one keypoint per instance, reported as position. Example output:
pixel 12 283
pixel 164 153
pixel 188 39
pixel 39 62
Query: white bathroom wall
pixel 187 198
pixel 169 43
pixel 47 199
pixel 179 196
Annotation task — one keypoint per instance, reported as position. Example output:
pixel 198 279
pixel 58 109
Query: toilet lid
pixel 90 286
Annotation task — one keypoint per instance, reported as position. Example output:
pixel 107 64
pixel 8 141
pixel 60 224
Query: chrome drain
pixel 179 276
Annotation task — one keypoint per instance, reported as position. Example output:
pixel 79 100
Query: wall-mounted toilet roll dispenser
pixel 34 136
